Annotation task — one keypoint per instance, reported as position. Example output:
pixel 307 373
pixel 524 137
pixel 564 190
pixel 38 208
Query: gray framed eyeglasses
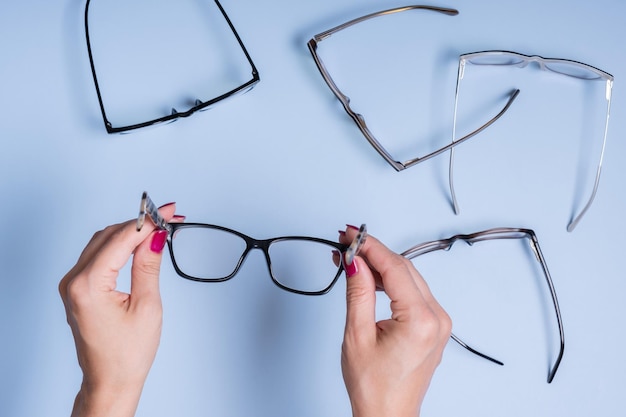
pixel 559 66
pixel 359 119
pixel 495 234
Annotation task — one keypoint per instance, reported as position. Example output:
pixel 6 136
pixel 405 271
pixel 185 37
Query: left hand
pixel 116 334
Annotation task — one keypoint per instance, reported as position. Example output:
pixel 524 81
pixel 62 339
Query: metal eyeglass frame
pixel 554 65
pixel 359 119
pixel 199 105
pixel 348 252
pixel 492 234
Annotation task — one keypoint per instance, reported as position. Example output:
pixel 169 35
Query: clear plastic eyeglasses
pixel 566 67
pixel 229 88
pixel 492 234
pixel 359 119
pixel 209 253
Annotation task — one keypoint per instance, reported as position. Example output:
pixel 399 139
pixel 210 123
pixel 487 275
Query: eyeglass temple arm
pixel 474 351
pixel 455 142
pixel 574 222
pixel 534 244
pixel 323 35
pixel 572 225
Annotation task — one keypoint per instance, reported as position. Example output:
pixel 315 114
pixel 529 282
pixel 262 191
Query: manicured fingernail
pixel 352 227
pixel 167 204
pixel 351 269
pixel 158 241
pixel 341 232
pixel 179 217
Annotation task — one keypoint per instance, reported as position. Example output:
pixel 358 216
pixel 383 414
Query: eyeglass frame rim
pixel 252 243
pixel 609 78
pixel 360 120
pixel 535 247
pixel 175 115
pixel 541 60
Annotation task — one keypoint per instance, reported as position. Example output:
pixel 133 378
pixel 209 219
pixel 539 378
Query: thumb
pixel 360 298
pixel 147 266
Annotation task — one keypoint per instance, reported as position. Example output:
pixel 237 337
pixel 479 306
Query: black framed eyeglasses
pixel 359 119
pixel 494 234
pixel 299 264
pixel 210 253
pixel 193 104
pixel 566 67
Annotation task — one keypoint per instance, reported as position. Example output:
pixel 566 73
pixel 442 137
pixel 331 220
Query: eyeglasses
pixel 566 67
pixel 209 253
pixel 359 119
pixel 494 234
pixel 174 114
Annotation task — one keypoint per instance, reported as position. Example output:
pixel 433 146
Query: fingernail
pixel 341 232
pixel 179 217
pixel 167 204
pixel 351 269
pixel 352 227
pixel 158 241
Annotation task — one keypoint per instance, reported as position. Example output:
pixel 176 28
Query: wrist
pixel 107 402
pixel 383 411
pixel 373 405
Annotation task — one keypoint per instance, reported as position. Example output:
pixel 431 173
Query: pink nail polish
pixel 351 269
pixel 158 241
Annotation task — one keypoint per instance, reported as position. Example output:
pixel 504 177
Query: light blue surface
pixel 286 159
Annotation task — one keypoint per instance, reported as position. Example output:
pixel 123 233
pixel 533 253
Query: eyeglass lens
pixel 212 254
pixel 303 265
pixel 207 253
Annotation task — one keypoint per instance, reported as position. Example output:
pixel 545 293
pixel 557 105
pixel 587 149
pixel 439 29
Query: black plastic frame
pixel 174 115
pixel 251 244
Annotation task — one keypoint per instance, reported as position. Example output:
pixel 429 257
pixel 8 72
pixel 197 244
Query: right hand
pixel 388 365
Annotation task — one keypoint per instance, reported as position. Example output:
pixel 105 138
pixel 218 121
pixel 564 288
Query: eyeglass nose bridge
pixel 264 246
pixel 534 59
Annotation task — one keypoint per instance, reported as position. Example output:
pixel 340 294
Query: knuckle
pixel 433 327
pixel 76 292
pixel 446 325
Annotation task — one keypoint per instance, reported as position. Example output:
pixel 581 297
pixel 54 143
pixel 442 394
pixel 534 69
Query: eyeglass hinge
pixel 533 246
pixel 461 69
pixel 609 88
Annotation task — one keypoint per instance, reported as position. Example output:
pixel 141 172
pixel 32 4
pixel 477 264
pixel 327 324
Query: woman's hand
pixel 388 365
pixel 116 334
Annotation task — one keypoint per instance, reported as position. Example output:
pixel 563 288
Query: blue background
pixel 285 159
